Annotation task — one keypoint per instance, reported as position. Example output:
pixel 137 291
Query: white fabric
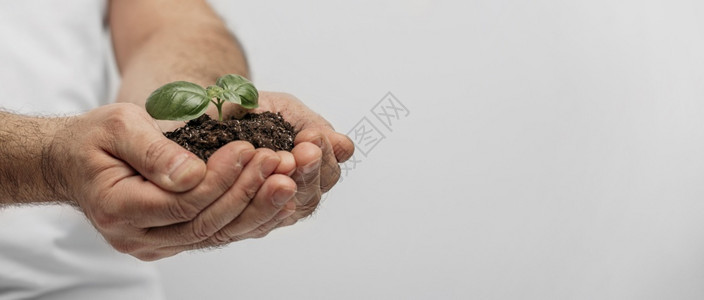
pixel 53 61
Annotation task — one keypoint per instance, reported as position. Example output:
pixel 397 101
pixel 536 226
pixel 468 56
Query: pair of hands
pixel 152 199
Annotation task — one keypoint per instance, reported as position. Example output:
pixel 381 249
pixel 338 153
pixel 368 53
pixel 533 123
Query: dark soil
pixel 203 136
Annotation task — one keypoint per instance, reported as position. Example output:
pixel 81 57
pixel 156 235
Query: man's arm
pixel 161 41
pixel 99 161
pixel 26 173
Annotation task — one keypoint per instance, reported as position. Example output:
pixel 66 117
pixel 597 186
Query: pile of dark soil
pixel 203 136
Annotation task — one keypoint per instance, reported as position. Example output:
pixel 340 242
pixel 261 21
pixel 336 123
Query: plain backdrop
pixel 549 150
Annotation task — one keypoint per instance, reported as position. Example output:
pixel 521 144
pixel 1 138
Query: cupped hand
pixel 151 198
pixel 318 150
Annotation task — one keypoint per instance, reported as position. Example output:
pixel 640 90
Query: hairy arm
pixel 160 41
pixel 145 194
pixel 26 168
pixel 153 46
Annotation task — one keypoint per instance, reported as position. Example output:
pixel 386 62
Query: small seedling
pixel 183 101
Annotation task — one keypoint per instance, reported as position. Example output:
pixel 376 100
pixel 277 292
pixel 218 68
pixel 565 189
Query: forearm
pixel 190 54
pixel 194 46
pixel 27 167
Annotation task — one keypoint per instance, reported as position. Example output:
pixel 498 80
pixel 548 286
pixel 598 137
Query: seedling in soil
pixel 186 101
pixel 183 101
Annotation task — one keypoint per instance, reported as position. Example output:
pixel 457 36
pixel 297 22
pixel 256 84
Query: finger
pixel 289 221
pixel 157 158
pixel 342 146
pixel 287 165
pixel 276 191
pixel 329 168
pixel 226 208
pixel 307 176
pixel 292 219
pixel 266 206
pixel 283 216
pixel 261 231
pixel 147 205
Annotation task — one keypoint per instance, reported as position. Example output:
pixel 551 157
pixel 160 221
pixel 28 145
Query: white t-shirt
pixel 54 60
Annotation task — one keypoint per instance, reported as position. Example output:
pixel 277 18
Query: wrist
pixel 55 159
pixel 27 168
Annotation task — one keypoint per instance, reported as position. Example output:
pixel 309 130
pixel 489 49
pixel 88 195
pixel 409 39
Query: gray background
pixel 553 150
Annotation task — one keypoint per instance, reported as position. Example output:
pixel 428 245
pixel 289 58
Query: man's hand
pixel 151 198
pixel 199 49
pixel 318 151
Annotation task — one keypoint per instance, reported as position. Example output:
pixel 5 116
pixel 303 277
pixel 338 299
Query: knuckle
pixel 115 123
pixel 104 220
pixel 221 237
pixel 250 192
pixel 104 216
pixel 203 229
pixel 155 150
pixel 101 210
pixel 127 247
pixel 182 211
pixel 247 193
pixel 118 116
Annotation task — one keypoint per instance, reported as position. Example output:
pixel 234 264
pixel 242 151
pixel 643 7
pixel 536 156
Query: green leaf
pixel 214 91
pixel 230 96
pixel 247 94
pixel 179 101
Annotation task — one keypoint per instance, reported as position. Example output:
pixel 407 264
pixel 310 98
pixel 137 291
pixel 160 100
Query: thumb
pixel 159 159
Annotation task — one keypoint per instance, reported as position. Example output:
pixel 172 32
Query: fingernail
pixel 311 167
pixel 183 167
pixel 282 196
pixel 268 166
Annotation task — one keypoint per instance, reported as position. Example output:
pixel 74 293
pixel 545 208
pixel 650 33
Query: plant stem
pixel 218 104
